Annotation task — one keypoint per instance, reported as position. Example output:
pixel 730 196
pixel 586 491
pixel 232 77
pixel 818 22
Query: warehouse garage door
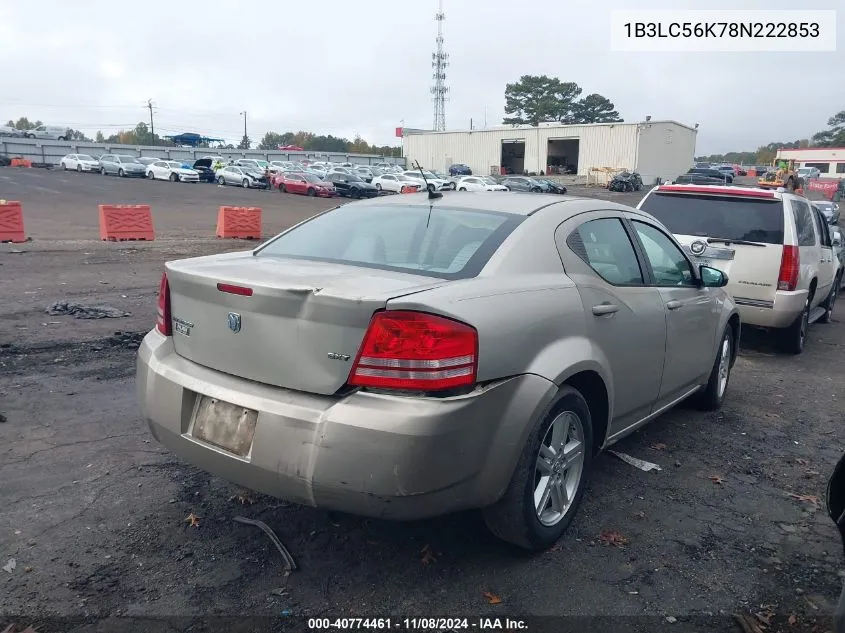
pixel 513 156
pixel 562 156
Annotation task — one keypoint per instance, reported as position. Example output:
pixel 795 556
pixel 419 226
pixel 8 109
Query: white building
pixel 655 149
pixel 830 161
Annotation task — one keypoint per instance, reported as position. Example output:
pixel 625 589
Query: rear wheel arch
pixel 594 390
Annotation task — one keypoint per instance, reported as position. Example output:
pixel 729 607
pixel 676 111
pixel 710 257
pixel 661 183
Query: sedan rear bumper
pixel 369 454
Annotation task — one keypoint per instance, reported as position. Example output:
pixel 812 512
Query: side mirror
pixel 712 277
pixel 837 241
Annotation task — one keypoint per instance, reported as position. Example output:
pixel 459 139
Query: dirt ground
pixel 93 510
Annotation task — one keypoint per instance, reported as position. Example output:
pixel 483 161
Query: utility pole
pixel 149 106
pixel 243 114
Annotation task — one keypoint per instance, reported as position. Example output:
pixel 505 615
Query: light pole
pixel 243 114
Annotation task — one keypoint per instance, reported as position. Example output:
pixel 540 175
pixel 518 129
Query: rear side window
pixel 803 223
pixel 821 227
pixel 443 242
pixel 727 217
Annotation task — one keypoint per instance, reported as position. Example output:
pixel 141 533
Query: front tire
pixel 311 192
pixel 102 171
pixel 174 178
pixel 221 181
pixel 79 169
pixel 713 395
pixel 550 478
pixel 121 173
pixel 245 183
pixel 151 175
pixel 462 189
pixel 64 166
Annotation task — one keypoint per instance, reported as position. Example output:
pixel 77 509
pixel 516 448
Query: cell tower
pixel 439 62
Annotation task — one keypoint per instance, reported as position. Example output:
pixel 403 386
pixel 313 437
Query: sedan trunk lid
pixel 296 324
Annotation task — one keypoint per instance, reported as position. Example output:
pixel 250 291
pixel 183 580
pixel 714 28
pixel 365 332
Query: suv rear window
pixel 727 217
pixel 444 243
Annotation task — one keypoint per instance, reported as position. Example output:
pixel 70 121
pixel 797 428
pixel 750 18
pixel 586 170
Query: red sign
pixel 399 132
pixel 827 186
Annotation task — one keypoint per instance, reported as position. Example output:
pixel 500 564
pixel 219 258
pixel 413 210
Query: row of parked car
pixel 312 178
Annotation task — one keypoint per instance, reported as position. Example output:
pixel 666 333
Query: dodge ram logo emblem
pixel 234 322
pixel 698 247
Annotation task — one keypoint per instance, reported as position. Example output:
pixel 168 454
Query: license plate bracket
pixel 225 425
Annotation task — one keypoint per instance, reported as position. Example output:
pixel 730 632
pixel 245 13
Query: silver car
pixel 245 177
pixel 404 357
pixel 122 165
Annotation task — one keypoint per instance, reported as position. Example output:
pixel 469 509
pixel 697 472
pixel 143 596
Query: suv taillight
pixel 163 321
pixel 416 351
pixel 790 263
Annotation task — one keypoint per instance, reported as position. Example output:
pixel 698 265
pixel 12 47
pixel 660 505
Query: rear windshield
pixel 732 218
pixel 445 243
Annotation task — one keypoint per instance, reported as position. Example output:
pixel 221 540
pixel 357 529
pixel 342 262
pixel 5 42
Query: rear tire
pixel 121 173
pixel 794 337
pixel 174 178
pixel 282 188
pixel 79 169
pixel 462 189
pixel 378 186
pixel 64 166
pixel 827 317
pixel 713 395
pixel 515 518
pixel 311 192
pixel 151 175
pixel 102 171
pixel 221 181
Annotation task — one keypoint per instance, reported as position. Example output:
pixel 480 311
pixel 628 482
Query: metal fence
pixel 44 152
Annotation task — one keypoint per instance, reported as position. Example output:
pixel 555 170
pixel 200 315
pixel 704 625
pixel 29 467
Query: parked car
pixel 365 173
pixel 304 183
pixel 6 130
pixel 626 181
pixel 837 239
pixel 246 177
pixel 205 169
pixel 341 170
pixel 553 187
pixel 277 166
pixel 429 180
pixel 459 169
pixel 478 183
pixel 80 163
pixel 122 165
pixel 146 161
pixel 774 247
pixel 171 170
pixel 830 210
pixel 522 183
pixel 722 176
pixel 48 132
pixel 699 179
pixel 727 170
pixel 320 172
pixel 396 183
pixel 367 316
pixel 351 186
pixel 808 172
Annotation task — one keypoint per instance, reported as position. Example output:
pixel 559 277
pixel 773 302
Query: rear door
pixel 812 260
pixel 739 232
pixel 829 262
pixel 691 312
pixel 298 184
pixel 624 315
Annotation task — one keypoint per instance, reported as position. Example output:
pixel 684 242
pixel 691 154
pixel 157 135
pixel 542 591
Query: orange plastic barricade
pixel 120 222
pixel 751 173
pixel 239 222
pixel 408 189
pixel 11 222
pixel 21 162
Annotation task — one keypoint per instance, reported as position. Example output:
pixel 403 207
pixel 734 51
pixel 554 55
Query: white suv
pixel 774 246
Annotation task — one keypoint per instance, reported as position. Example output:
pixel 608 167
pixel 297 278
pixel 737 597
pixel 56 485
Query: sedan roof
pixel 515 203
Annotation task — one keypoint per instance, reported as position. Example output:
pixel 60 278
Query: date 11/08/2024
pixel 417 624
pixel 801 30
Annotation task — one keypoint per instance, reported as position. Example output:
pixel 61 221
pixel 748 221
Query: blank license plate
pixel 224 424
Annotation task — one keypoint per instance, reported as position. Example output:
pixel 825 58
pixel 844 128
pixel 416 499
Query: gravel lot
pixel 93 510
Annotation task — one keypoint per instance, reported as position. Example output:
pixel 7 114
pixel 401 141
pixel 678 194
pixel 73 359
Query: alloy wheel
pixel 558 468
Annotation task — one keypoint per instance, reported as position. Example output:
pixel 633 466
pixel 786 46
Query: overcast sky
pixel 344 67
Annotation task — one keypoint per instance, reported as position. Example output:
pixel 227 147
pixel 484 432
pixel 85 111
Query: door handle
pixel 604 309
pixel 674 305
